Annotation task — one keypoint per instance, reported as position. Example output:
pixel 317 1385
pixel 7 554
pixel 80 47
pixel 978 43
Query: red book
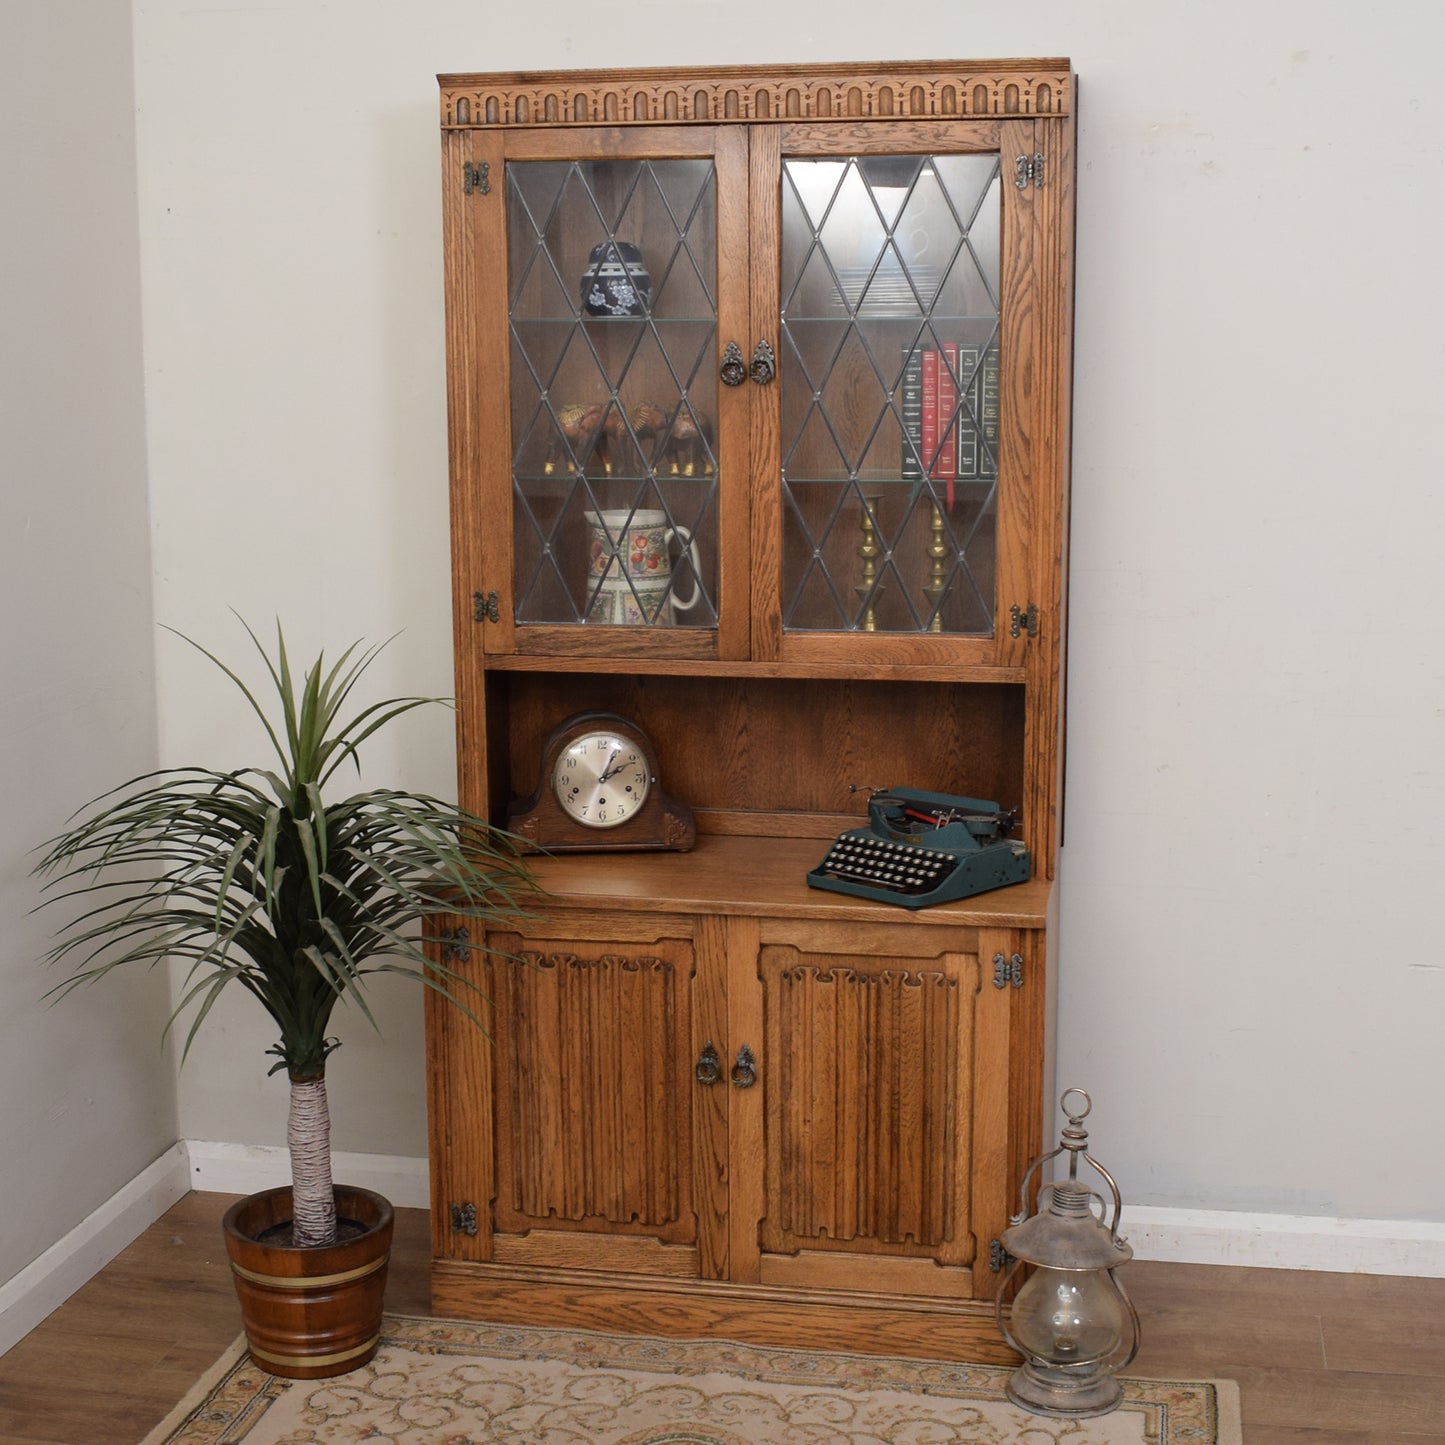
pixel 946 467
pixel 929 418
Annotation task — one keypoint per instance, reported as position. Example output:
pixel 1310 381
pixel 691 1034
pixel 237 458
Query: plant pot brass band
pixel 310 1281
pixel 313 1362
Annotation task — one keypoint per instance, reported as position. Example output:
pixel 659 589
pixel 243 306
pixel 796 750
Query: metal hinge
pixel 486 607
pixel 464 1219
pixel 1029 168
pixel 477 177
pixel 1008 971
pixel 999 1258
pixel 455 945
pixel 1023 619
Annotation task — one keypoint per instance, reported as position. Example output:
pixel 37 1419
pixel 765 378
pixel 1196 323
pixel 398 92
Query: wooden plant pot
pixel 310 1313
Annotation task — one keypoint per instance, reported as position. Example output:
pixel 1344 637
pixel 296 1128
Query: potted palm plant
pixel 258 877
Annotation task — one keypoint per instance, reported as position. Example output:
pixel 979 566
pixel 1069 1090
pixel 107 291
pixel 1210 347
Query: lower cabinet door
pixel 599 1122
pixel 878 1137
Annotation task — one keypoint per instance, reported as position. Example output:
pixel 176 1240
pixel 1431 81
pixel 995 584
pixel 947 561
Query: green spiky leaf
pixel 254 876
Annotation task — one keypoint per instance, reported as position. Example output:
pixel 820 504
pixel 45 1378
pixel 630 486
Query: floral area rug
pixel 444 1382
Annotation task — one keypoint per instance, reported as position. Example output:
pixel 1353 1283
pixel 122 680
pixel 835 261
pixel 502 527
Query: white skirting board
pixel 47 1282
pixel 1286 1241
pixel 198 1164
pixel 1193 1236
pixel 218 1168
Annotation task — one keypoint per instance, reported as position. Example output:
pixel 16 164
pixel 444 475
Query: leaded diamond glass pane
pixel 612 279
pixel 889 392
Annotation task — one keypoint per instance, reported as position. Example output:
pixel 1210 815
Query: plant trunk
pixel 308 1135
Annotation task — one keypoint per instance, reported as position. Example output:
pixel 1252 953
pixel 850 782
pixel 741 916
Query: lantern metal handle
pixel 1133 1322
pixel 1074 1139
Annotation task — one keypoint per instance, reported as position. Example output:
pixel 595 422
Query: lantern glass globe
pixel 1067 1316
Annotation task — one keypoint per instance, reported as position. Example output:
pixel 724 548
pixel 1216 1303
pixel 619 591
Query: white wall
pixel 1251 982
pixel 86 1093
pixel 1253 978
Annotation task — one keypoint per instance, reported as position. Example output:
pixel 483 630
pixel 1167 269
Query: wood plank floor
pixel 1321 1359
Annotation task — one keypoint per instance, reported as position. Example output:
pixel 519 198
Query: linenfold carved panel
pixel 862 1137
pixel 939 91
pixel 592 1129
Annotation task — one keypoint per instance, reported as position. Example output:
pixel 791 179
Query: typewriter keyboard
pixel 893 867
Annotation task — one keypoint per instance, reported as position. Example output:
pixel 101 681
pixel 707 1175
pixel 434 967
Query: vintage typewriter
pixel 921 848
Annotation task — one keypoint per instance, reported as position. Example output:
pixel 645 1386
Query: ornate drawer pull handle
pixel 733 372
pixel 745 1069
pixel 765 364
pixel 709 1066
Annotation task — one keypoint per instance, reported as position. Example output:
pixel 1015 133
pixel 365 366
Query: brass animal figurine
pixel 598 432
pixel 689 453
pixel 683 450
pixel 579 433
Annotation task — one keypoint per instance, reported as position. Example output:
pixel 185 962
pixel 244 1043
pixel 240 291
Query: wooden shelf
pixel 751 875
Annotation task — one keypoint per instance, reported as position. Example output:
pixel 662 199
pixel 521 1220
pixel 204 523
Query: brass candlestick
pixel 869 551
pixel 937 550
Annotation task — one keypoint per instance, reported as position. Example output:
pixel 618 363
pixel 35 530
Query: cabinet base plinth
pixel 842 1321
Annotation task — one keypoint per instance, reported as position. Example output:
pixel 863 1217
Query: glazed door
pixel 893 500
pixel 593 287
pixel 873 1153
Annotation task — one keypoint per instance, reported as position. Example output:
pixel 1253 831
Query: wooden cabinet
pixel 758 407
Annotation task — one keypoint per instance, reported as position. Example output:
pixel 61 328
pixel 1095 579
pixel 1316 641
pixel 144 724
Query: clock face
pixel 601 778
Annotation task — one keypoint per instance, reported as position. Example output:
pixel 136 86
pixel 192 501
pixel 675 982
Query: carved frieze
pixel 935 91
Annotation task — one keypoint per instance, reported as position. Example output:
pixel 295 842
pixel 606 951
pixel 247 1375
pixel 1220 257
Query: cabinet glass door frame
pixel 1019 323
pixel 480 397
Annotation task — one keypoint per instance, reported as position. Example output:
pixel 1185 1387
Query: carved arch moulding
pixel 936 90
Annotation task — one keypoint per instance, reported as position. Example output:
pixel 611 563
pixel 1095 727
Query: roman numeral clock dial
pixel 598 789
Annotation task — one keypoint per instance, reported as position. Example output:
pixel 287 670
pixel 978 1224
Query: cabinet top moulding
pixel 905 90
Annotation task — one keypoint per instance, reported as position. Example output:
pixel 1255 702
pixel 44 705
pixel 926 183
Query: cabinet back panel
pixel 787 748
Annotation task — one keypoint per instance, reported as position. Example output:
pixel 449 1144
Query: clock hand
pixel 611 767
